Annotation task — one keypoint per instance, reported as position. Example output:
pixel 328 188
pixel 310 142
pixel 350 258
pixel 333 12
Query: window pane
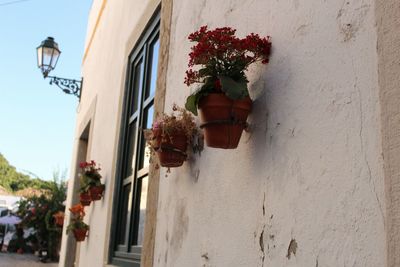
pixel 145 149
pixel 134 155
pixel 130 151
pixel 137 85
pixel 154 50
pixel 142 208
pixel 122 217
pixel 148 119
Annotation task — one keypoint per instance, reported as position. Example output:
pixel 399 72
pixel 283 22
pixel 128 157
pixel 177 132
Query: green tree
pixel 13 181
pixel 38 211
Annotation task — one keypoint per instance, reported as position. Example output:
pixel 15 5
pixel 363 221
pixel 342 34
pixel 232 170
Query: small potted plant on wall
pixel 77 226
pixel 84 196
pixel 59 218
pixel 172 135
pixel 223 97
pixel 91 187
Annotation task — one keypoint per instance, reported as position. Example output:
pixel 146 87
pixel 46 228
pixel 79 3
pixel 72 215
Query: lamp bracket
pixel 68 86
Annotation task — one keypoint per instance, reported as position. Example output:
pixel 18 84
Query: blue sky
pixel 37 120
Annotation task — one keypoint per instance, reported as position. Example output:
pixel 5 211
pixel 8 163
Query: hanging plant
pixel 91 188
pixel 223 97
pixel 84 198
pixel 172 135
pixel 77 226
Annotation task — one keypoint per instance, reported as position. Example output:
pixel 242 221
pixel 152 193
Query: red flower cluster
pixel 78 210
pixel 89 167
pixel 220 52
pixel 84 165
pixel 192 77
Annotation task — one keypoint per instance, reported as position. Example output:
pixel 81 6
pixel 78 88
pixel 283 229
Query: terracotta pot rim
pixel 223 100
pixel 80 234
pixel 97 187
pixel 178 132
pixel 80 230
pixel 223 119
pixel 171 159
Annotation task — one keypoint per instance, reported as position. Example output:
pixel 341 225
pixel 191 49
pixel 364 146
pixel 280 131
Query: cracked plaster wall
pixel 305 186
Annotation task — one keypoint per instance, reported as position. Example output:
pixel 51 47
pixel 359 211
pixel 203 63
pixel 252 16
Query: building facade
pixel 313 183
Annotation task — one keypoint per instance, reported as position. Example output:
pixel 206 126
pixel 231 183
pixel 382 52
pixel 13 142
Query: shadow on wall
pixel 264 122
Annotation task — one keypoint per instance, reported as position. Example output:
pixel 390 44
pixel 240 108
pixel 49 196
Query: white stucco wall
pixel 309 171
pixel 104 69
pixel 311 168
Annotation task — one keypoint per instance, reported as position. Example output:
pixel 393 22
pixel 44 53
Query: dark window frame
pixel 130 254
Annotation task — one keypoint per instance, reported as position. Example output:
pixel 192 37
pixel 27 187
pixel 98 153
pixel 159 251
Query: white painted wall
pixel 104 71
pixel 310 170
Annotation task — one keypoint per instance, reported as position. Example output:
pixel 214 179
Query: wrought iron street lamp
pixel 47 57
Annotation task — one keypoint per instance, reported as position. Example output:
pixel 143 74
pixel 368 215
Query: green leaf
pixel 191 103
pixel 208 85
pixel 233 89
pixel 204 72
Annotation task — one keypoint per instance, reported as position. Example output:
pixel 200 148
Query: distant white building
pixel 8 203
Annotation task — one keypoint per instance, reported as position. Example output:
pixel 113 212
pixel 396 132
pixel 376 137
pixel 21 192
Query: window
pixel 133 162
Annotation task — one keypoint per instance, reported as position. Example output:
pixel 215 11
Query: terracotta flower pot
pixel 85 199
pixel 171 151
pixel 96 192
pixel 80 234
pixel 59 219
pixel 223 119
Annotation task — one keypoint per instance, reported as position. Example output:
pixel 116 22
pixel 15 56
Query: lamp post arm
pixel 68 86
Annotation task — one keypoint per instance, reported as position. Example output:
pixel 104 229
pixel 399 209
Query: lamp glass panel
pixel 39 56
pixel 54 59
pixel 47 57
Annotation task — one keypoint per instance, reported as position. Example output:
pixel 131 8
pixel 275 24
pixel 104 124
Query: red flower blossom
pixel 221 53
pixel 78 210
pixel 89 166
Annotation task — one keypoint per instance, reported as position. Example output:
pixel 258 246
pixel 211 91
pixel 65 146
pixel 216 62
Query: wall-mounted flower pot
pixel 171 150
pixel 59 219
pixel 85 199
pixel 223 119
pixel 96 192
pixel 80 234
